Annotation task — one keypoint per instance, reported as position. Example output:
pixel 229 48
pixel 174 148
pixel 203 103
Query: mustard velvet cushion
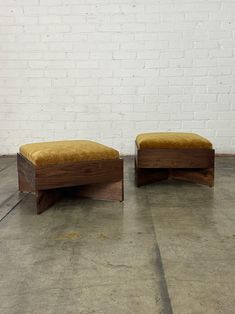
pixel 59 152
pixel 171 140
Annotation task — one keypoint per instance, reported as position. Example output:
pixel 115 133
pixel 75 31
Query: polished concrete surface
pixel 168 248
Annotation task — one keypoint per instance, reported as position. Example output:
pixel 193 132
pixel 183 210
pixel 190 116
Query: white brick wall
pixel 108 70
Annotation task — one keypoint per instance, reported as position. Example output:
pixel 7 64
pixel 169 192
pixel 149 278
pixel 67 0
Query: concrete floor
pixel 169 248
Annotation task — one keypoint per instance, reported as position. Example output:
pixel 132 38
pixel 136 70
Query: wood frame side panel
pixel 26 174
pixel 193 165
pixel 175 158
pixel 82 173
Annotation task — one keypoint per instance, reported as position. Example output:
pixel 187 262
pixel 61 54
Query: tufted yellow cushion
pixel 171 140
pixel 41 154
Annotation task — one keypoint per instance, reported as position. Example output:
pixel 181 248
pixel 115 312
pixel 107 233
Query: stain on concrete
pixel 102 236
pixel 68 236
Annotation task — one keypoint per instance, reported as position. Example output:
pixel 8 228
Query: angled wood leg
pixel 47 198
pixel 201 176
pixel 145 176
pixel 112 191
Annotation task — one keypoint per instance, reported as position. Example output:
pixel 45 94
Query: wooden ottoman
pixel 51 170
pixel 183 156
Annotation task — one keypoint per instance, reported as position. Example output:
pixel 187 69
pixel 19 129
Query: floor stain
pixel 102 236
pixel 69 236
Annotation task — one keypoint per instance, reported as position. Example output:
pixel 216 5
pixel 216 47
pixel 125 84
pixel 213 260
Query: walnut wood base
pixel 47 198
pixel 147 176
pixel 100 179
pixel 193 165
pixel 112 191
pixel 201 176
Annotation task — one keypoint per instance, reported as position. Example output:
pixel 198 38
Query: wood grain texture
pixel 201 176
pixel 82 173
pixel 99 179
pixel 175 158
pixel 47 198
pixel 194 165
pixel 26 174
pixel 112 191
pixel 145 176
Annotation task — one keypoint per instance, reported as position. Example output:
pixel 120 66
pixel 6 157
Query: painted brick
pixel 110 70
